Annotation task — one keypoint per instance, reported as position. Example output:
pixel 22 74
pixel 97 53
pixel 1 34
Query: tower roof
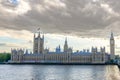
pixel 112 36
pixel 66 40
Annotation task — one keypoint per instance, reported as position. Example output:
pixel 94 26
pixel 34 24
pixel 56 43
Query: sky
pixel 85 23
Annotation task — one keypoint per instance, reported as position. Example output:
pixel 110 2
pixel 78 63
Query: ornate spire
pixel 112 37
pixel 34 35
pixel 38 30
pixel 65 45
pixel 59 46
pixel 43 36
pixel 66 40
pixel 39 34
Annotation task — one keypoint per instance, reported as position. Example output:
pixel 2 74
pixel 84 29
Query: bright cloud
pixel 15 7
pixel 87 21
pixel 108 9
pixel 55 3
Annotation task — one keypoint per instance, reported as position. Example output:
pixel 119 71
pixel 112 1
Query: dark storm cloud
pixel 79 17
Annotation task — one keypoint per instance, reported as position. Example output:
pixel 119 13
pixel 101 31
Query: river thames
pixel 59 72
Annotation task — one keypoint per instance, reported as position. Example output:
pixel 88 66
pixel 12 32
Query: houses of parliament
pixel 42 55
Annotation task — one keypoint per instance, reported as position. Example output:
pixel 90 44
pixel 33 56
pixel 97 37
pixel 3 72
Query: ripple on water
pixel 59 72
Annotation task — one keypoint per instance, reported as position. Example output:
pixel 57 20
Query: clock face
pixel 112 42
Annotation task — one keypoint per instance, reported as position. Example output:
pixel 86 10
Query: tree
pixel 4 57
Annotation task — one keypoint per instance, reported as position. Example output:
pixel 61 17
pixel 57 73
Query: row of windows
pixel 59 58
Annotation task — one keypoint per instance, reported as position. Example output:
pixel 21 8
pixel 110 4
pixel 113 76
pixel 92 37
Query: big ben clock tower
pixel 112 47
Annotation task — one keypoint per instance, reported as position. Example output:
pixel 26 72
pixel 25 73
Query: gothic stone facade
pixel 62 57
pixel 40 54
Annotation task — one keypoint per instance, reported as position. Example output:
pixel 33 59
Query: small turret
pixel 26 52
pixel 87 50
pixel 34 35
pixel 65 46
pixel 43 36
pixel 39 34
pixel 111 37
pixel 58 49
pixel 96 50
pixel 92 49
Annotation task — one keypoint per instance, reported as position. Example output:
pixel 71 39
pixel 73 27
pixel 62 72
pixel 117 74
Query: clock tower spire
pixel 112 47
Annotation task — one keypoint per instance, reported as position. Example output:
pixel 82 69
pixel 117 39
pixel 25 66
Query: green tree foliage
pixel 4 57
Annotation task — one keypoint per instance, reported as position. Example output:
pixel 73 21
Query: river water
pixel 59 72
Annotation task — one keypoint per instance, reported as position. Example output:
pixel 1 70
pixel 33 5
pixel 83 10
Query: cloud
pixel 7 46
pixel 108 9
pixel 89 18
pixel 2 44
pixel 15 8
pixel 22 35
pixel 13 45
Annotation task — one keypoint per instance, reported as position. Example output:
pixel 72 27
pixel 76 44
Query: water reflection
pixel 58 72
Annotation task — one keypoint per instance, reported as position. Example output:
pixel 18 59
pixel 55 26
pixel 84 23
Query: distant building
pixel 41 55
pixel 112 47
